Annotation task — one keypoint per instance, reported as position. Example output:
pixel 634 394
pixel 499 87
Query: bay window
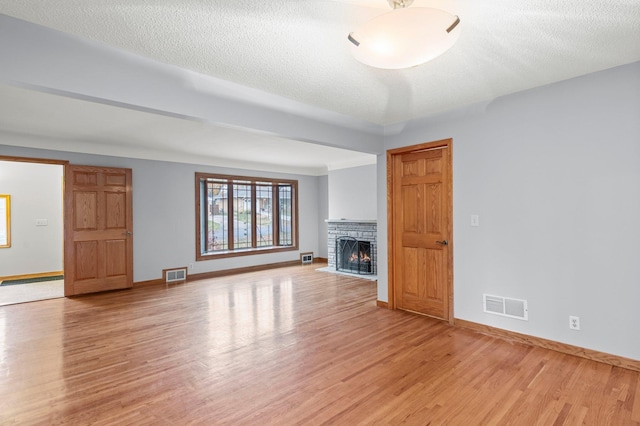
pixel 244 215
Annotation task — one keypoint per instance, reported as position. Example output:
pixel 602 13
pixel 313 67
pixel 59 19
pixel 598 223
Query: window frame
pixel 254 182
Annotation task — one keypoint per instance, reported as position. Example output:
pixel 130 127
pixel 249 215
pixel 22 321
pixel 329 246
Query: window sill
pixel 243 252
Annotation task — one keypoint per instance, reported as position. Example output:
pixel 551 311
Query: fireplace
pixel 353 255
pixel 360 230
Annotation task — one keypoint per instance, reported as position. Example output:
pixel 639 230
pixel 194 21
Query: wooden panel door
pixel 421 230
pixel 98 253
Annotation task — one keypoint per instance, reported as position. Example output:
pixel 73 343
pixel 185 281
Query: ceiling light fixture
pixel 404 37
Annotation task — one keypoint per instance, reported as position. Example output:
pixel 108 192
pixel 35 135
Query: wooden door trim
pixel 391 154
pixel 33 160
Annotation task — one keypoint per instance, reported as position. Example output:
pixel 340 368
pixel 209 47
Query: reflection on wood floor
pixel 286 346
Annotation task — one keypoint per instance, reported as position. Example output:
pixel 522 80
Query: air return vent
pixel 506 307
pixel 306 258
pixel 173 275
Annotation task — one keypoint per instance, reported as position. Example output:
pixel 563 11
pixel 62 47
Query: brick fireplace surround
pixel 362 230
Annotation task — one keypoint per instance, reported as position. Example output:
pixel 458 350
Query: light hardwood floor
pixel 286 346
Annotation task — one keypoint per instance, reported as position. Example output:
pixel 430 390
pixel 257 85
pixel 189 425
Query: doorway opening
pixel 32 266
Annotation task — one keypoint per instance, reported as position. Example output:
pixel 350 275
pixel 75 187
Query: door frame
pixel 62 163
pixel 391 154
pixel 65 210
pixel 33 160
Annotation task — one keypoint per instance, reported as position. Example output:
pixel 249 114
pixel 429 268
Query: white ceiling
pixel 297 49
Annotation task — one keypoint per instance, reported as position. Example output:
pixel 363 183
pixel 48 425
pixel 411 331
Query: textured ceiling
pixel 298 48
pixel 297 51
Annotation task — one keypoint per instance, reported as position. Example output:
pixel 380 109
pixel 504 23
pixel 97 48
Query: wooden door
pixel 98 249
pixel 420 228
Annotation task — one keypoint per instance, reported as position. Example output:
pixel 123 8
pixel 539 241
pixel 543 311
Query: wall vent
pixel 173 275
pixel 306 258
pixel 506 307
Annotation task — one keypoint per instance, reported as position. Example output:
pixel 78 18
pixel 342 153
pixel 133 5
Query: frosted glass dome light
pixel 404 37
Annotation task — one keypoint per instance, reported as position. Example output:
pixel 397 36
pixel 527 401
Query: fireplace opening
pixel 354 256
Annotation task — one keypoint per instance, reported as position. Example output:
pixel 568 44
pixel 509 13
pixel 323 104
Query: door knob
pixel 443 242
pixel 128 233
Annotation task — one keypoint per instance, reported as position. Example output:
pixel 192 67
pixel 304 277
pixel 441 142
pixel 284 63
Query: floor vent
pixel 173 275
pixel 506 307
pixel 306 258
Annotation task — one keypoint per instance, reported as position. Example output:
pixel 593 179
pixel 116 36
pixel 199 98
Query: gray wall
pixel 36 193
pixel 554 174
pixel 352 193
pixel 164 211
pixel 323 212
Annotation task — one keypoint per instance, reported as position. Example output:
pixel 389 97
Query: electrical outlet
pixel 191 266
pixel 574 323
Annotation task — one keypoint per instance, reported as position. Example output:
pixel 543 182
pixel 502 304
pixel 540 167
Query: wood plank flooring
pixel 283 347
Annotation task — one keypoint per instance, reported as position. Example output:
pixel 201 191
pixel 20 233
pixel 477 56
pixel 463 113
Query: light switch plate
pixel 475 220
pixel 42 222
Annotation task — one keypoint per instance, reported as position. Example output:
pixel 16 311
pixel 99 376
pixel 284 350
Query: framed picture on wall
pixel 5 221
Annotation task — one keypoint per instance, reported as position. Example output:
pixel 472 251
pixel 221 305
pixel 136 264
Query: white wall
pixel 164 211
pixel 353 193
pixel 554 174
pixel 36 193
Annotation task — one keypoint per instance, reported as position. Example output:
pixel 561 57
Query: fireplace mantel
pixel 350 221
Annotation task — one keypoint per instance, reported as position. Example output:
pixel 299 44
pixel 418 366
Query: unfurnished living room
pixel 320 212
